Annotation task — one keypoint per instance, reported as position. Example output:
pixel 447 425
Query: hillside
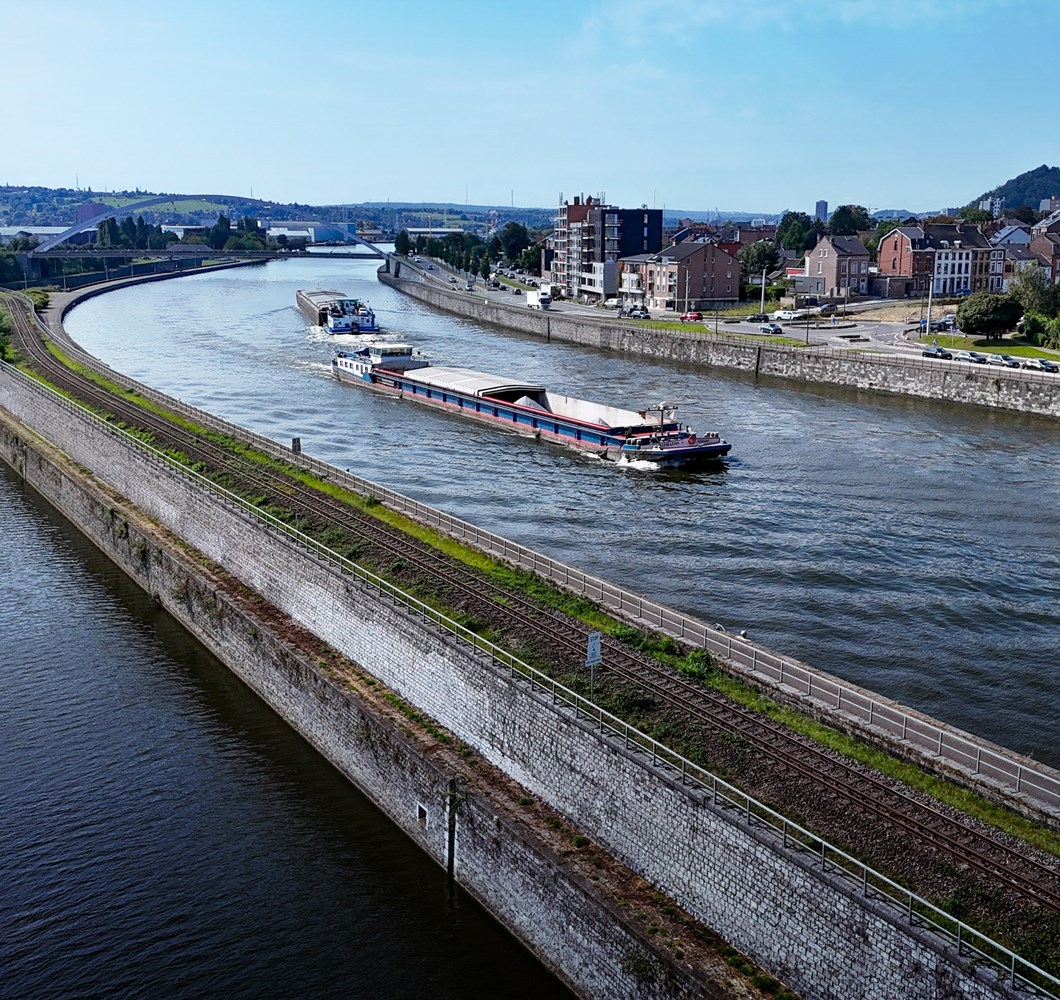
pixel 1027 189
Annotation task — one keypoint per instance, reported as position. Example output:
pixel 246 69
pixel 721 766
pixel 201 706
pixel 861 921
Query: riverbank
pixel 529 866
pixel 1024 392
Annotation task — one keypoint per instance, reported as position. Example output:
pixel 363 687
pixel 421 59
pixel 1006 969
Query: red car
pixel 691 317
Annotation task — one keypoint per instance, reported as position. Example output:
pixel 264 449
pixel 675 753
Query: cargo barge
pixel 336 312
pixel 619 435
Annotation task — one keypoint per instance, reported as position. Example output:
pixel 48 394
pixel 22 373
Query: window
pixel 820 268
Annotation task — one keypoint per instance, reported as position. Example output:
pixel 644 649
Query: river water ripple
pixel 905 545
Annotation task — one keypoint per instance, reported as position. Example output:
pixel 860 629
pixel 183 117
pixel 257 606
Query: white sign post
pixel 593 656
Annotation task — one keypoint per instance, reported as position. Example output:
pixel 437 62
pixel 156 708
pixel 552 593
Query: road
pixel 846 333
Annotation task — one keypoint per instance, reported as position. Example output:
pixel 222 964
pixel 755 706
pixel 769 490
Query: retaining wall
pixel 796 917
pixel 463 822
pixel 1027 392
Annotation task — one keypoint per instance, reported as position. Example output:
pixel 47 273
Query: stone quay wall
pixel 798 919
pixel 426 790
pixel 1026 392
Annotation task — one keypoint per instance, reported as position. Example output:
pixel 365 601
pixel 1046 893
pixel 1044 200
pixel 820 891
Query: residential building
pixel 1050 224
pixel 1012 234
pixel 953 259
pixel 1019 257
pixel 820 211
pixel 1047 247
pixel 589 239
pixel 684 276
pixel 836 267
pixel 1051 204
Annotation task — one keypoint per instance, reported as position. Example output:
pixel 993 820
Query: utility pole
pixel 931 289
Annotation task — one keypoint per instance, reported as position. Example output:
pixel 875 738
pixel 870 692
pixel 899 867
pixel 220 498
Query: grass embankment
pixel 1017 347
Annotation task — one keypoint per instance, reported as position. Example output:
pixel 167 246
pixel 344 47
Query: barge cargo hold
pixel 649 435
pixel 336 312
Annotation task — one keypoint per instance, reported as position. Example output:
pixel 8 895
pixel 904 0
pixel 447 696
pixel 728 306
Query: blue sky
pixel 754 105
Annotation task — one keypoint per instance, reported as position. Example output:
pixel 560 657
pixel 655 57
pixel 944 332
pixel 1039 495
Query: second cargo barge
pixel 336 312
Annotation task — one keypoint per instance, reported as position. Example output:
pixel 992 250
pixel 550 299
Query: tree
pixel 220 232
pixel 496 248
pixel 988 314
pixel 484 266
pixel 515 239
pixel 975 214
pixel 1024 213
pixel 1034 292
pixel 797 231
pixel 530 260
pixel 758 257
pixel 402 243
pixel 849 220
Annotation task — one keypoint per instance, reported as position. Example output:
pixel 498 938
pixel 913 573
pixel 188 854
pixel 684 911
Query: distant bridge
pixel 139 206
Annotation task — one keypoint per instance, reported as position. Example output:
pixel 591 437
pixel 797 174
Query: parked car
pixel 517 291
pixel 974 357
pixel 770 328
pixel 691 317
pixel 757 318
pixel 1003 360
pixel 937 352
pixel 828 309
pixel 785 314
pixel 1041 365
pixel 639 314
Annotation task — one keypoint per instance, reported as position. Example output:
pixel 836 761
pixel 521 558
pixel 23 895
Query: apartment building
pixel 591 236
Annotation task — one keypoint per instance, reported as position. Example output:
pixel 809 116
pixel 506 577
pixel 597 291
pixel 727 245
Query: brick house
pixel 1050 224
pixel 954 259
pixel 689 275
pixel 1047 247
pixel 837 266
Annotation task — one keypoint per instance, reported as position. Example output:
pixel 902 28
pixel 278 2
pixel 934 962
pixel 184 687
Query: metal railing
pixel 698 783
pixel 1022 776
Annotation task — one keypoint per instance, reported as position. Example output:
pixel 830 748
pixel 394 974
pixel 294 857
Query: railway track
pixel 968 846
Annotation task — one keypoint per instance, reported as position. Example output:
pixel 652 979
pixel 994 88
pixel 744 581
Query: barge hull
pixel 528 423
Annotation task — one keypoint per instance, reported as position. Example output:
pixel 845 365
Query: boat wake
pixel 319 335
pixel 638 463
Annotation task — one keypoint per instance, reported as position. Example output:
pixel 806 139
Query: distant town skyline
pixel 677 105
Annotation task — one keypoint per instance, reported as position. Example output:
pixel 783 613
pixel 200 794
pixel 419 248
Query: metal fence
pixel 1014 774
pixel 696 782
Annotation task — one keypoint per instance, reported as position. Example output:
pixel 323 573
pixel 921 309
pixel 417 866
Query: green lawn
pixel 1017 346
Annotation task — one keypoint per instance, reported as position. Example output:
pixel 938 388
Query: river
pixel 164 834
pixel 903 544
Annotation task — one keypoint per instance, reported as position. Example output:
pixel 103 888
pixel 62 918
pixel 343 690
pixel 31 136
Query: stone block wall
pixel 972 384
pixel 571 927
pixel 803 925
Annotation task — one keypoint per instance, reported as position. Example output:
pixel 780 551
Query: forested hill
pixel 1029 188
